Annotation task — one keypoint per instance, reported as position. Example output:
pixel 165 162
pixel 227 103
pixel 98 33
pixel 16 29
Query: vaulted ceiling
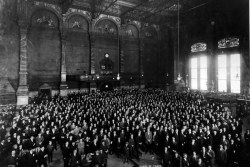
pixel 141 10
pixel 163 12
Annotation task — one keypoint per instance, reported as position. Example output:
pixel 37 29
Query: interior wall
pixel 9 55
pixel 217 20
pixel 103 46
pixel 44 58
pixel 9 45
pixel 131 56
pixel 77 57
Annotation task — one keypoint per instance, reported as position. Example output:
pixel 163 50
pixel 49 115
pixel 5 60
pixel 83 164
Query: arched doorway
pixel 45 91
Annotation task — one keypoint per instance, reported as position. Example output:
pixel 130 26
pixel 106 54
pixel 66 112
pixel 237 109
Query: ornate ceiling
pixel 151 11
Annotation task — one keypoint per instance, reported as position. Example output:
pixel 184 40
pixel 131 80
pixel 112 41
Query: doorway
pixel 45 91
pixel 106 86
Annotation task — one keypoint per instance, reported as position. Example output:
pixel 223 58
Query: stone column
pixel 249 46
pixel 22 91
pixel 63 84
pixel 92 60
pixel 141 57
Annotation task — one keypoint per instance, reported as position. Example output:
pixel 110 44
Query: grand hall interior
pixel 124 83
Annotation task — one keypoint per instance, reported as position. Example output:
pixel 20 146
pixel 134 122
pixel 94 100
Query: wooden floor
pixel 113 161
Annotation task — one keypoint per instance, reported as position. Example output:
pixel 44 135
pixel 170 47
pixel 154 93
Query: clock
pixel 106 55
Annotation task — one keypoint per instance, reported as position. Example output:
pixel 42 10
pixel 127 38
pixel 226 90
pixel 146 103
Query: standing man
pixel 50 149
pixel 167 158
pixel 221 157
pixel 211 156
pixel 247 140
pixel 148 137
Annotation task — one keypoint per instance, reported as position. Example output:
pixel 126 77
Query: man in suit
pixel 247 140
pixel 74 160
pixel 66 154
pixel 12 159
pixel 31 158
pixel 50 149
pixel 221 157
pixel 167 158
pixel 96 160
pixel 148 141
pixel 126 153
pixel 211 156
pixel 42 157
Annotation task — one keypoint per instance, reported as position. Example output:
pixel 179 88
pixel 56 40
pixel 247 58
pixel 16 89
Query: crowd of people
pixel 180 127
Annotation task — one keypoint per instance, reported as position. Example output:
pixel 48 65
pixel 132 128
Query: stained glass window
pixel 198 47
pixel 229 42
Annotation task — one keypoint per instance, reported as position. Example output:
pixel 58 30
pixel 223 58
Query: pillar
pixel 63 84
pixel 249 45
pixel 92 59
pixel 176 53
pixel 141 57
pixel 22 91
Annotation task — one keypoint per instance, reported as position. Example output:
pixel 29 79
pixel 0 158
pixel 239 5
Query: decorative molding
pixel 23 51
pixel 157 28
pixel 116 20
pixel 137 23
pixel 106 26
pixel 228 42
pixel 198 47
pixel 48 5
pixel 77 22
pixel 122 57
pixel 92 70
pixel 149 32
pixel 45 18
pixel 131 30
pixel 72 11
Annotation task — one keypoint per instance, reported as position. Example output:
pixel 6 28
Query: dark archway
pixel 106 86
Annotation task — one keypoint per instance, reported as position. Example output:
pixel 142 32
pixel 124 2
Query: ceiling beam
pixel 126 4
pixel 133 8
pixel 112 3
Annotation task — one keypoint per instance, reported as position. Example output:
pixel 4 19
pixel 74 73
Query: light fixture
pixel 179 77
pixel 118 46
pixel 118 77
pixel 106 55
